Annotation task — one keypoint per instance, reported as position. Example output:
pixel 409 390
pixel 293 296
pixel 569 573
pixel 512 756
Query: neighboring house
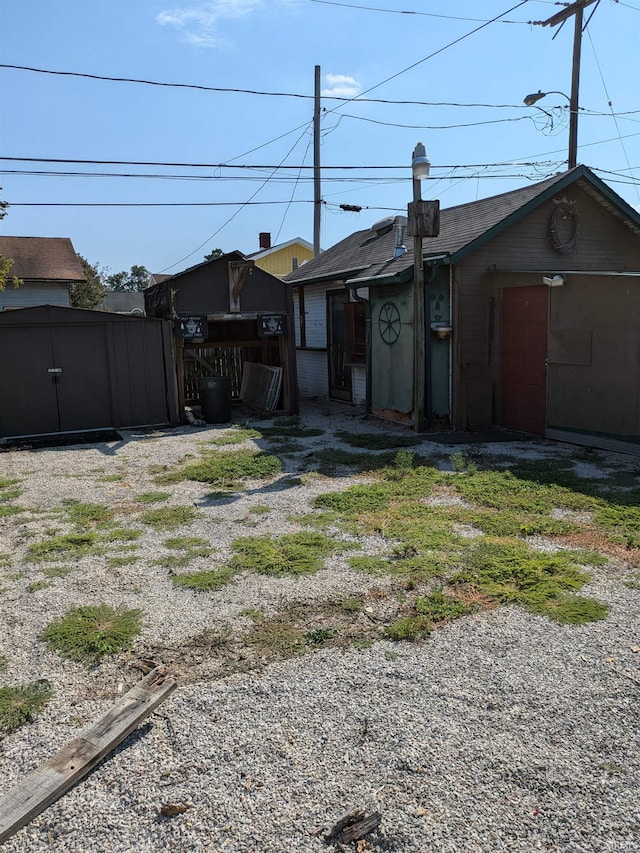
pixel 123 303
pixel 532 315
pixel 227 314
pixel 283 258
pixel 47 266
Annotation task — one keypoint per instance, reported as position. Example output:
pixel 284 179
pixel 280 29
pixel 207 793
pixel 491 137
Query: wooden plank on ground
pixel 49 782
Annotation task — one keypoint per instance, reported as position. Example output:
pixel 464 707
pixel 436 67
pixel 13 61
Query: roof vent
pixel 385 224
pixel 401 227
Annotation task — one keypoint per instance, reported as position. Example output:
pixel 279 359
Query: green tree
pixel 6 263
pixel 213 254
pixel 89 293
pixel 133 281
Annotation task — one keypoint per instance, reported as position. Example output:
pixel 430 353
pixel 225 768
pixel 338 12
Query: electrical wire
pixel 431 55
pixel 606 91
pixel 243 205
pixel 402 12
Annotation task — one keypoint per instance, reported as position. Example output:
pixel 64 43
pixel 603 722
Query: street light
pixel 530 100
pixel 420 167
pixel 534 97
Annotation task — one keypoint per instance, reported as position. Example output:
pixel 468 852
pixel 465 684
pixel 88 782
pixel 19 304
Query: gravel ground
pixel 502 732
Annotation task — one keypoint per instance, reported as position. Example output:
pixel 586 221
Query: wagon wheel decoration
pixel 389 323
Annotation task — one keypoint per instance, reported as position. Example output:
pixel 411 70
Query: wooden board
pixel 49 782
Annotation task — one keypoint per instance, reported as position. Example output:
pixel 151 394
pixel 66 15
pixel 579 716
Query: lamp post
pixel 534 97
pixel 420 167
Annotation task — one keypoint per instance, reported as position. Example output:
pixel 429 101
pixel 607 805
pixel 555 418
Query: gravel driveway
pixel 503 731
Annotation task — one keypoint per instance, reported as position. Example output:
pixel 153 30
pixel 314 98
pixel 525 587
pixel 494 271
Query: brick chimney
pixel 265 239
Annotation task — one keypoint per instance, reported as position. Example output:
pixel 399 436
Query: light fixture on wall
pixel 554 280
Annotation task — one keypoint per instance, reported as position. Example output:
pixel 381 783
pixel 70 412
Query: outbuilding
pixel 532 307
pixel 232 322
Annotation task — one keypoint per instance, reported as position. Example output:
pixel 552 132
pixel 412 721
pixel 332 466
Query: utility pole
pixel 576 9
pixel 317 197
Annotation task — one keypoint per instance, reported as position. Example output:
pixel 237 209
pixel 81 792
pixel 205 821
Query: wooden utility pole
pixel 317 197
pixel 576 9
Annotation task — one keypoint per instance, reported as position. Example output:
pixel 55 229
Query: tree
pixel 213 254
pixel 88 294
pixel 133 281
pixel 6 263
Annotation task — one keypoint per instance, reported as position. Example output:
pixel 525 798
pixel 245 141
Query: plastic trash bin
pixel 215 399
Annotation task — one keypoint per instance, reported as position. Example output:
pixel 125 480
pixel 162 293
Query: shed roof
pixel 367 254
pixel 42 258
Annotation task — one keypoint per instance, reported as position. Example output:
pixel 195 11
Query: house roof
pixel 42 258
pixel 262 253
pixel 369 254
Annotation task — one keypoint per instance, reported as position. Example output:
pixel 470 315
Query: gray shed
pixel 67 370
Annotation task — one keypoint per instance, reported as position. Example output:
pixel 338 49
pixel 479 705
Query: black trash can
pixel 215 399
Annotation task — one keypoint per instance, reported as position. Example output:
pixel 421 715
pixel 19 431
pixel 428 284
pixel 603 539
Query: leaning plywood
pixel 46 784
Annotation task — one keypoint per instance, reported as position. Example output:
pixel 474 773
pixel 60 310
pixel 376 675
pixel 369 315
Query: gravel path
pixel 502 732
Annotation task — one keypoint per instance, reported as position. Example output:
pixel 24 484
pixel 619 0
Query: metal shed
pixel 68 369
pixel 231 319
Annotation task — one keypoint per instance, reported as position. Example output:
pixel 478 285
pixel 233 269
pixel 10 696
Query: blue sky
pixel 480 137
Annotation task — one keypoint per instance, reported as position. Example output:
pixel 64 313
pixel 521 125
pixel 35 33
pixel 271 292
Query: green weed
pixel 439 607
pixel 87 634
pixel 170 517
pixel 511 572
pixel 377 440
pixel 83 515
pixel 204 581
pixel 71 545
pixel 152 497
pixel 121 534
pixel 37 585
pixel 408 629
pixel 18 705
pixel 236 436
pixel 227 468
pixel 290 554
pixel 56 571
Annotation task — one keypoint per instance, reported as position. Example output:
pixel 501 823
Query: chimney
pixel 264 238
pixel 400 249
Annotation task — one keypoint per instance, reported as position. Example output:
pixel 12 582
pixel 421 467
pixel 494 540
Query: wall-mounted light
pixel 554 280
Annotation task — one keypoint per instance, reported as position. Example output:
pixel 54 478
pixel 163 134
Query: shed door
pixel 84 386
pixel 58 379
pixel 28 395
pixel 523 358
pixel 339 370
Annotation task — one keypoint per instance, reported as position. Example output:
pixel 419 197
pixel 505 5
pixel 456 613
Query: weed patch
pixel 72 546
pixel 87 634
pixel 37 585
pixel 227 468
pixel 290 554
pixel 56 571
pixel 170 517
pixel 122 534
pixel 204 581
pixel 510 572
pixel 236 436
pixel 18 705
pixel 377 440
pixel 152 497
pixel 85 515
pixel 290 431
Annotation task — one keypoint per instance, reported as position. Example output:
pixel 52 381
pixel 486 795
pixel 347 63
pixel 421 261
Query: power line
pixel 604 86
pixel 435 53
pixel 202 88
pixel 408 12
pixel 346 168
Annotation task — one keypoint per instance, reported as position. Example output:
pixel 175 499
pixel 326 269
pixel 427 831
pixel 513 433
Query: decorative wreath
pixel 563 226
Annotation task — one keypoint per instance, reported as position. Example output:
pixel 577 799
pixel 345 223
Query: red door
pixel 523 358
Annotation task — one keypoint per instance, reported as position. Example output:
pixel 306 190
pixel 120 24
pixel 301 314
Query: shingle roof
pixel 42 258
pixel 366 254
